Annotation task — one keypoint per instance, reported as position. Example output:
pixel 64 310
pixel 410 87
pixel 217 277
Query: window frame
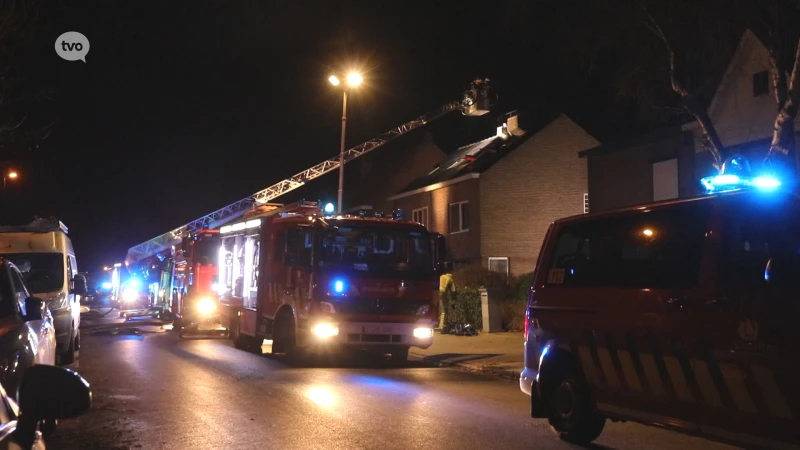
pixel 424 209
pixel 757 83
pixel 461 206
pixel 500 258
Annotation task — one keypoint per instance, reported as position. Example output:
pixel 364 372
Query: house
pixel 670 162
pixel 743 108
pixel 372 178
pixel 494 199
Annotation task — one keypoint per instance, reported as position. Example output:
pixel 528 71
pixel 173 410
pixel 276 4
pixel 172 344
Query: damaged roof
pixel 473 158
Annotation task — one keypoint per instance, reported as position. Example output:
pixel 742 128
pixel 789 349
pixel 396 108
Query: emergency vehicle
pixel 312 282
pixel 680 314
pixel 194 269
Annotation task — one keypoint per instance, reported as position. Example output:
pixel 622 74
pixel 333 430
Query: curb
pixel 499 372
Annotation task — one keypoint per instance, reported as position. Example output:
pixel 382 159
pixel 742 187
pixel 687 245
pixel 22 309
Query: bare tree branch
pixel 691 103
pixel 794 88
pixel 6 127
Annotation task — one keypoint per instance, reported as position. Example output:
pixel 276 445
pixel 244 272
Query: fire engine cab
pixel 313 282
pixel 680 314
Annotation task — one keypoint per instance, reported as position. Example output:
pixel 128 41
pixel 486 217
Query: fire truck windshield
pixel 384 252
pixel 206 249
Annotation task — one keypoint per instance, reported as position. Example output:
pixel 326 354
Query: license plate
pixel 375 329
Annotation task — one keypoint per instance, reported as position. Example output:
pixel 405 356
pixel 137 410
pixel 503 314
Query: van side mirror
pixel 78 285
pixel 33 309
pixel 48 393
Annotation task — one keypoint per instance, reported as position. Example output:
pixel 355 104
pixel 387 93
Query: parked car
pixel 27 332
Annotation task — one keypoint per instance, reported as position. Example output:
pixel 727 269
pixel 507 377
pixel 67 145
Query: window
pixel 420 215
pixel 459 217
pixel 298 246
pixel 374 251
pixel 586 203
pixel 43 272
pixel 665 180
pixel 660 249
pixel 500 265
pixel 19 289
pixel 761 83
pixel 751 239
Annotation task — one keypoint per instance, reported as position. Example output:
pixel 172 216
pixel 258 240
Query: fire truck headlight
pixel 423 333
pixel 325 330
pixel 206 306
pixel 129 295
pixel 424 309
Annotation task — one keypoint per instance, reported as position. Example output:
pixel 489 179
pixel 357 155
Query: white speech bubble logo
pixel 72 46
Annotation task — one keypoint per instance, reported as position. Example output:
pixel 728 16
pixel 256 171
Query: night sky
pixel 186 106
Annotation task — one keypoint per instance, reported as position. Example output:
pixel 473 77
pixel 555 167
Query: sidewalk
pixel 498 354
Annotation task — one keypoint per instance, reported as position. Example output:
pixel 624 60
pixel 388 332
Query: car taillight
pixel 527 322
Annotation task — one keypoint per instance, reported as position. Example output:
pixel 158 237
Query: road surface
pixel 156 391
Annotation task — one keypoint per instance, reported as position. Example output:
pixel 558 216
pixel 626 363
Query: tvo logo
pixel 72 46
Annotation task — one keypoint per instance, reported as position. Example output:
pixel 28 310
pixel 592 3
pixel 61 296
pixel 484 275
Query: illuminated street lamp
pixel 7 174
pixel 353 80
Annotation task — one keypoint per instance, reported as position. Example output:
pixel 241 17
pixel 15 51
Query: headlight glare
pixel 206 306
pixel 325 330
pixel 423 333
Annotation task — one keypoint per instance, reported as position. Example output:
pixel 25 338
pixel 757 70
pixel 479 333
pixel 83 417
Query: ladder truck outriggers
pixel 172 249
pixel 316 283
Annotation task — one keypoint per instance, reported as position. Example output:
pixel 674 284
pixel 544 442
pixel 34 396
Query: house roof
pixel 473 158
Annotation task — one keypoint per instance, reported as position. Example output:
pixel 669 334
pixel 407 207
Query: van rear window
pixel 657 249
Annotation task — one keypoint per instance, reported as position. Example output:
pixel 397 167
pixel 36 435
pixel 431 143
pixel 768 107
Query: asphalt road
pixel 156 391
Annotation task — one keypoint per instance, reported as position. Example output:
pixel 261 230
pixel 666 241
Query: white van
pixel 44 254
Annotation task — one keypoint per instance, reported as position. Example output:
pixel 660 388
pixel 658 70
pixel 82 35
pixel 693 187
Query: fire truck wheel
pixel 571 413
pixel 284 337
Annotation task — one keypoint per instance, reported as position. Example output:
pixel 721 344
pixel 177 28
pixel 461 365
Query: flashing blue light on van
pixel 106 285
pixel 722 183
pixel 766 182
pixel 735 175
pixel 134 283
pixel 329 208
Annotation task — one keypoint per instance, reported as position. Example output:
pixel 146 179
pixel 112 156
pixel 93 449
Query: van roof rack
pixel 37 225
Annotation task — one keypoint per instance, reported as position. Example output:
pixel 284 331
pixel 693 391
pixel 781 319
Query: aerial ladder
pixel 476 101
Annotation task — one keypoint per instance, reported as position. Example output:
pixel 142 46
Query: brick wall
pixel 462 246
pixel 540 181
pixel 376 176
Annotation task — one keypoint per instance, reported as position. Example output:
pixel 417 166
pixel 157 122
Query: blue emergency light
pixel 329 208
pixel 736 175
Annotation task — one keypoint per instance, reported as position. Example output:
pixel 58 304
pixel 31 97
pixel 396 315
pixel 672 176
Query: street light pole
pixel 353 79
pixel 341 152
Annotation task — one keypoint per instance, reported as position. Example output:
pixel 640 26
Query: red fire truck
pixel 195 272
pixel 313 283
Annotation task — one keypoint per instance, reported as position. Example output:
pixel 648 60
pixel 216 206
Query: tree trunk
pixel 788 98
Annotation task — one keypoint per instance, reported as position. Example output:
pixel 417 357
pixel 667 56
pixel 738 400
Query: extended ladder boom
pixel 472 104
